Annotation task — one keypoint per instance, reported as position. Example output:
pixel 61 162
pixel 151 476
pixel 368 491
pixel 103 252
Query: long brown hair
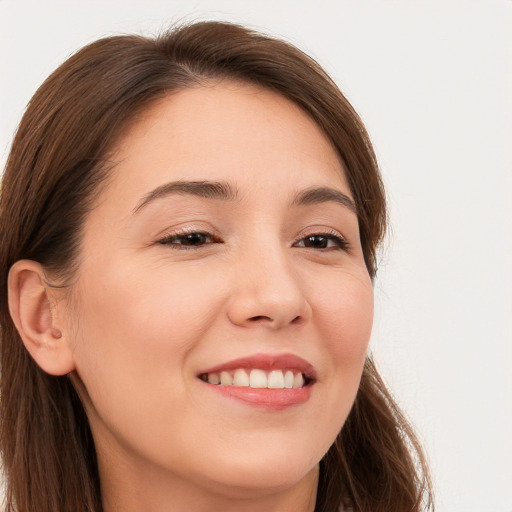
pixel 58 161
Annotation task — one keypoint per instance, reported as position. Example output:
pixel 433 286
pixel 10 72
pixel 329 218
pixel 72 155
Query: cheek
pixel 345 318
pixel 133 350
pixel 345 315
pixel 155 307
pixel 136 331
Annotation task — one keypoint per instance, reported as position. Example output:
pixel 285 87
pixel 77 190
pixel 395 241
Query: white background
pixel 433 82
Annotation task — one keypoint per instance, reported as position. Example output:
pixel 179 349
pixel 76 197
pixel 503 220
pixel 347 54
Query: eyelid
pixel 332 234
pixel 341 240
pixel 166 237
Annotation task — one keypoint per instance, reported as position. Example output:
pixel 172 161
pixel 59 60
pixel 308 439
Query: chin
pixel 253 484
pixel 253 475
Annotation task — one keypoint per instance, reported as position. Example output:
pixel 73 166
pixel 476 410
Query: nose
pixel 267 291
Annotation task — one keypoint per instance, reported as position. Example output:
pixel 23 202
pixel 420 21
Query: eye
pixel 323 241
pixel 187 240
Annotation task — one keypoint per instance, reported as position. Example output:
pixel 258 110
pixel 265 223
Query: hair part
pixel 60 160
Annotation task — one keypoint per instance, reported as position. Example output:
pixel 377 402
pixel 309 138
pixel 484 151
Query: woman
pixel 189 230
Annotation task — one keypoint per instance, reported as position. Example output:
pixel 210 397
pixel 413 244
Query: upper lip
pixel 266 362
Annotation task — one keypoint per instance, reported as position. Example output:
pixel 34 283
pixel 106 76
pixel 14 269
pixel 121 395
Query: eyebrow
pixel 224 191
pixel 320 195
pixel 205 189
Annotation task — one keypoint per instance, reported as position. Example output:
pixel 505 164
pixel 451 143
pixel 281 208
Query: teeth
pixel 213 378
pixel 298 380
pixel 226 379
pixel 240 378
pixel 258 379
pixel 288 379
pixel 275 379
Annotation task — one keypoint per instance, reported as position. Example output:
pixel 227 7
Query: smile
pixel 257 378
pixel 271 382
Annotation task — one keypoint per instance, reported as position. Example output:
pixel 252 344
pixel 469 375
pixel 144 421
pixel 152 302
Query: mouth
pixel 258 378
pixel 266 381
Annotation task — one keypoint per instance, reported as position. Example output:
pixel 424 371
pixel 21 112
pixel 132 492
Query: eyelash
pixel 170 239
pixel 332 236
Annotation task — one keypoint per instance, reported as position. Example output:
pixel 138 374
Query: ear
pixel 32 305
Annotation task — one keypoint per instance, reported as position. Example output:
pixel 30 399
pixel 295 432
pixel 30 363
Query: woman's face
pixel 225 247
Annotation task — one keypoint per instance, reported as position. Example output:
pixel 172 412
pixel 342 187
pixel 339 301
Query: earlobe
pixel 32 307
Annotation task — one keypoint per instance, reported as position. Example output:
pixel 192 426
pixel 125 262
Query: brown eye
pixel 195 239
pixel 316 241
pixel 322 241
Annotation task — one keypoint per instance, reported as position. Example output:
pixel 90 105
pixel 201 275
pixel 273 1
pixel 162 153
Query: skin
pixel 144 318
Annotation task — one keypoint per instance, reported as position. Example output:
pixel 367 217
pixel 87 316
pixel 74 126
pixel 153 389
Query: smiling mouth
pixel 268 382
pixel 258 378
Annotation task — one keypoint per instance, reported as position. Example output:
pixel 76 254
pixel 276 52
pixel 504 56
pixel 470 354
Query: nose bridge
pixel 267 289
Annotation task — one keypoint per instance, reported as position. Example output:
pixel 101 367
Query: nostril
pixel 259 317
pixel 264 318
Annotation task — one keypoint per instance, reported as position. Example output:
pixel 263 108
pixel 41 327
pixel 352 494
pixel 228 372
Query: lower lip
pixel 265 398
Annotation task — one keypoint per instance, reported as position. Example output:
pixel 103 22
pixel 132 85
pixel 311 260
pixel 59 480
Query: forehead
pixel 228 131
